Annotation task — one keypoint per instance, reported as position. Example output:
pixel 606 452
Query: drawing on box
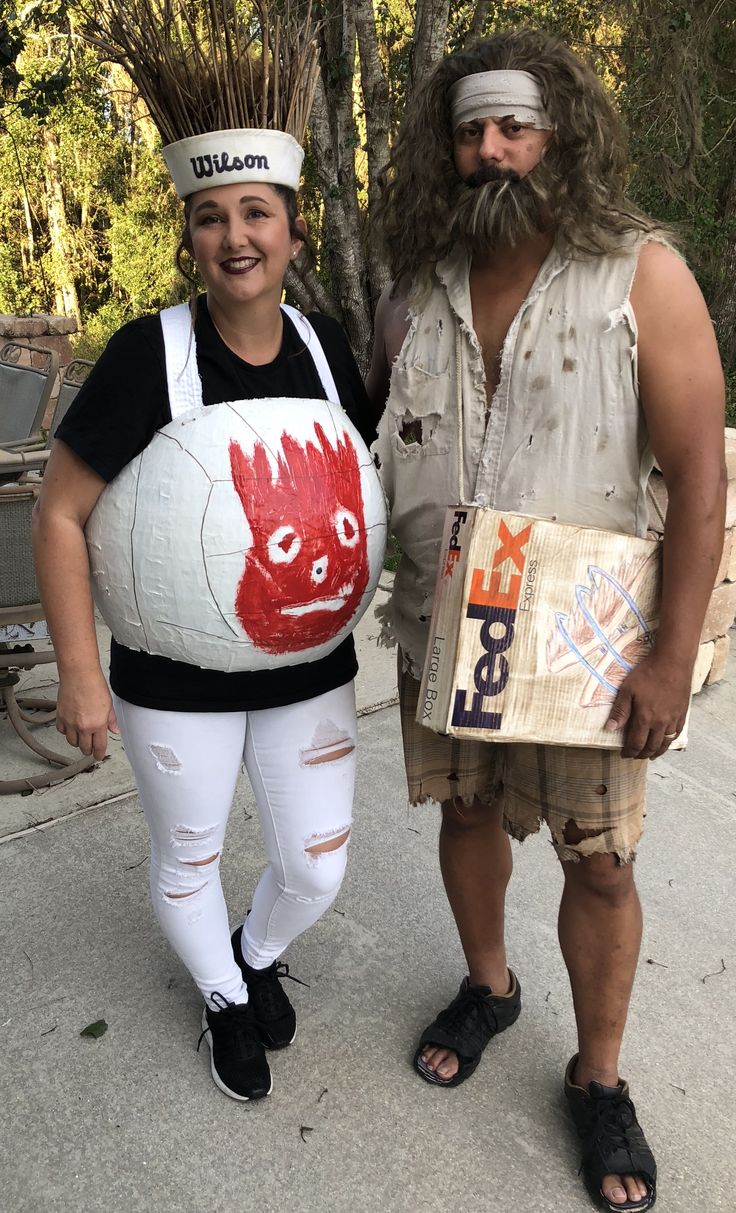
pixel 607 631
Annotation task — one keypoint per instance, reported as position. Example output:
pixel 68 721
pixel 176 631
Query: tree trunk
pixel 332 130
pixel 480 16
pixel 377 125
pixel 430 33
pixel 354 266
pixel 62 243
pixel 305 288
pixel 28 251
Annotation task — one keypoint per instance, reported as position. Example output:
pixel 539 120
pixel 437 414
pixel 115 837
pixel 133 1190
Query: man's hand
pixel 651 706
pixel 85 714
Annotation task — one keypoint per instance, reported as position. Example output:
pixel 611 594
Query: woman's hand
pixel 85 714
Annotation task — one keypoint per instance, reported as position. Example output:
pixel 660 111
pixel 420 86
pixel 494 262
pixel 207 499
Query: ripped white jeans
pixel 301 763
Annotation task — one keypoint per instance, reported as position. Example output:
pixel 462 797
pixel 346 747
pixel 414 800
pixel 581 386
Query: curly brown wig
pixel 579 183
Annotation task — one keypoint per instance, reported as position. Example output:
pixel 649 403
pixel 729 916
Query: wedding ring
pixel 669 736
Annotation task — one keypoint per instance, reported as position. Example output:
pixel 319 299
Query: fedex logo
pixel 494 599
pixel 454 547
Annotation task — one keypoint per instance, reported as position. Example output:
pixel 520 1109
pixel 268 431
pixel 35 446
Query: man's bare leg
pixel 600 934
pixel 475 859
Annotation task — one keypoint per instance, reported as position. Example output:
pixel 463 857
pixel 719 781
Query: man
pixel 529 289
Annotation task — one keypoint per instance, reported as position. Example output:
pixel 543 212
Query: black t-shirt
pixel 114 417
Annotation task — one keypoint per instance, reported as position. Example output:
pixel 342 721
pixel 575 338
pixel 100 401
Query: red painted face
pixel 308 567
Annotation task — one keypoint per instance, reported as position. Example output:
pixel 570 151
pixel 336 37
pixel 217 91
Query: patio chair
pixel 19 605
pixel 21 465
pixel 25 391
pixel 72 378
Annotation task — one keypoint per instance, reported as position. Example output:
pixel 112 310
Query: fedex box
pixel 535 625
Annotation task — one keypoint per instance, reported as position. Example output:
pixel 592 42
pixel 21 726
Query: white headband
pixel 498 95
pixel 232 157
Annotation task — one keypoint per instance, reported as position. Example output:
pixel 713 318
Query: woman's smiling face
pixel 241 241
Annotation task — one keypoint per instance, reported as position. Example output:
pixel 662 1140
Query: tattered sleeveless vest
pixel 565 438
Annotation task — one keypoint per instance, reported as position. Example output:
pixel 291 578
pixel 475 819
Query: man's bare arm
pixel 391 327
pixel 682 394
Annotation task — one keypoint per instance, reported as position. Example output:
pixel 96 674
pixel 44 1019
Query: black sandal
pixel 465 1027
pixel 613 1141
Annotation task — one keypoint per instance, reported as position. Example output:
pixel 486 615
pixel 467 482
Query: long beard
pixel 496 209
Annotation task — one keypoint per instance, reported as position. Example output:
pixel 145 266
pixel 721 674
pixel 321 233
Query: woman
pixel 186 730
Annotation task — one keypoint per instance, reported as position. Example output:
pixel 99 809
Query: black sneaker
pixel 238 1062
pixel 274 1015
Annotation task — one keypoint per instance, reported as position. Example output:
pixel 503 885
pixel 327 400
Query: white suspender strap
pixel 182 372
pixel 313 344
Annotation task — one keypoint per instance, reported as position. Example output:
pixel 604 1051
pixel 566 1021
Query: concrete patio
pixel 132 1122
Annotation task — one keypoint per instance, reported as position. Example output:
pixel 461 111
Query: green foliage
pixel 393 554
pixel 11 45
pixel 143 235
pixel 731 400
pixel 15 294
pixel 678 94
pixel 35 83
pixel 119 216
pixel 394 23
pixel 669 65
pixel 22 236
pixel 99 327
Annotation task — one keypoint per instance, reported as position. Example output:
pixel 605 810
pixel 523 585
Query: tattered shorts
pixel 598 791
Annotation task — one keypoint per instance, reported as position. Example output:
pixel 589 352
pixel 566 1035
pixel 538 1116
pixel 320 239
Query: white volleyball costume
pixel 191 565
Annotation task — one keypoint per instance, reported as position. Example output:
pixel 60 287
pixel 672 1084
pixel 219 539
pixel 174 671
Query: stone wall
pixel 51 332
pixel 715 641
